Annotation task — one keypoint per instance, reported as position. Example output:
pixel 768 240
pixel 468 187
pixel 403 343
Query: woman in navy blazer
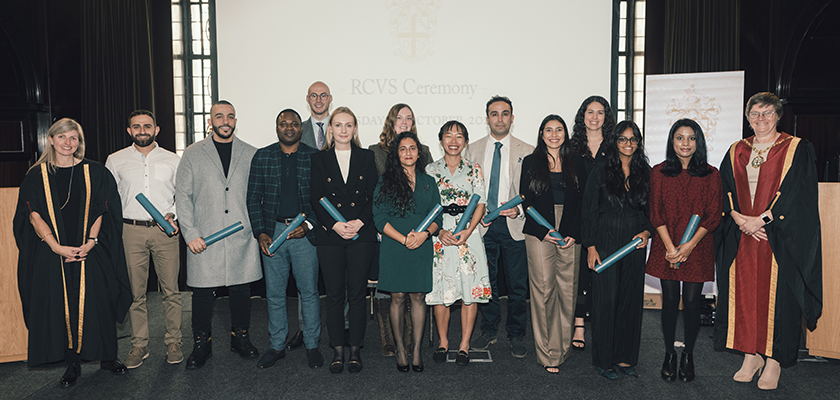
pixel 345 175
pixel 552 183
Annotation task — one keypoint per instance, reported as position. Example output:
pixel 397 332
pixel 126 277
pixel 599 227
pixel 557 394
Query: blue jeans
pixel 299 257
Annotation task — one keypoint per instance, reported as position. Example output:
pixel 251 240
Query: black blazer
pixel 544 203
pixel 354 199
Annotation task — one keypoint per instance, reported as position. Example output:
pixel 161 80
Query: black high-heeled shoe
pixel 669 367
pixel 401 368
pixel 355 363
pixel 417 368
pixel 687 367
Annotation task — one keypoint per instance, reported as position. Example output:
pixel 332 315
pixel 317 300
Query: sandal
pixel 463 358
pixel 440 355
pixel 557 367
pixel 580 342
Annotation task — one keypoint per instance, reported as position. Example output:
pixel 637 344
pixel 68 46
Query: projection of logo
pixel 413 27
pixel 701 108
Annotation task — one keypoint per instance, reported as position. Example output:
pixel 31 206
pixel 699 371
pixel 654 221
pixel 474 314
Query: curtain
pixel 702 36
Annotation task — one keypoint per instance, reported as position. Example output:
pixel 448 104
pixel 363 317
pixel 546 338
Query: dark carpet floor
pixel 226 376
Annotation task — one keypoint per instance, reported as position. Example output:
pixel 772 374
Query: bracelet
pixel 406 240
pixel 429 232
pixel 671 254
pixel 43 238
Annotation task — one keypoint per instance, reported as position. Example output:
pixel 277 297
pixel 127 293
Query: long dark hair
pixel 698 165
pixel 617 193
pixel 540 170
pixel 579 141
pixel 396 191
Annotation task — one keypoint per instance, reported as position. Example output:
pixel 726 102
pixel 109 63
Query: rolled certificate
pixel 618 255
pixel 334 213
pixel 467 217
pixel 282 236
pixel 510 204
pixel 156 215
pixel 429 218
pixel 693 223
pixel 540 220
pixel 223 233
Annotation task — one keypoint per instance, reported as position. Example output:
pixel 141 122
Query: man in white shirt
pixel 500 154
pixel 144 167
pixel 315 127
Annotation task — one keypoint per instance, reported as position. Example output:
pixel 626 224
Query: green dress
pixel 402 270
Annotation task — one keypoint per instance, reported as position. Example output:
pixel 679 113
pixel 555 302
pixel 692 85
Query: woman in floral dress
pixel 460 264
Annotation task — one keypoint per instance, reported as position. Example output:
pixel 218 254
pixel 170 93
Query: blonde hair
pixel 63 125
pixel 388 132
pixel 329 141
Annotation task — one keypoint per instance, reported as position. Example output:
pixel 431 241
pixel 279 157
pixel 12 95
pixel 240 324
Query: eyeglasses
pixel 285 125
pixel 624 140
pixel 315 96
pixel 766 114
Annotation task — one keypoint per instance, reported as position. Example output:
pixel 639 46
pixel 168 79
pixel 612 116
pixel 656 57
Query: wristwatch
pixel 95 240
pixel 765 218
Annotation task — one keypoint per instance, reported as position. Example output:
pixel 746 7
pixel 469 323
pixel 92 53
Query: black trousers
pixel 345 270
pixel 202 307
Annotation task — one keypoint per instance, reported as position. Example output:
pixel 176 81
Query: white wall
pixel 546 56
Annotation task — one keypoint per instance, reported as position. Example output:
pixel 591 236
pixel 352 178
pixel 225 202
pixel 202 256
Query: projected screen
pixel 443 58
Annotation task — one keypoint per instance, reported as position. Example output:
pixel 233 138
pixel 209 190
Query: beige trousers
pixel 553 279
pixel 140 244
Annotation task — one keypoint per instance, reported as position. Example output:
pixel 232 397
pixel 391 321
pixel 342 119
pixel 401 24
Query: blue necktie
pixel 493 195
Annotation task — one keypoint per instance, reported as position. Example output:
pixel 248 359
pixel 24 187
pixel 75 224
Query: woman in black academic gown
pixel 72 274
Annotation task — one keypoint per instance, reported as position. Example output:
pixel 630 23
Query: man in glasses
pixel 315 127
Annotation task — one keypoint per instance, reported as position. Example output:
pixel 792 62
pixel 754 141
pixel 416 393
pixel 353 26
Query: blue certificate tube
pixel 223 233
pixel 693 223
pixel 510 204
pixel 156 215
pixel 429 218
pixel 540 220
pixel 468 213
pixel 282 236
pixel 334 212
pixel 618 255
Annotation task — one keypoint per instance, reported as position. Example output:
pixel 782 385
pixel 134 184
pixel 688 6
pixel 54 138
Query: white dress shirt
pixel 152 175
pixel 504 171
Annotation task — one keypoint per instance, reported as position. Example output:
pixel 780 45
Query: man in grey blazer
pixel 211 183
pixel 500 155
pixel 315 127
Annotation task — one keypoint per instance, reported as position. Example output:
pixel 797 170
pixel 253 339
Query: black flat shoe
pixel 628 370
pixel 686 367
pixel 115 366
pixel 669 367
pixel 74 371
pixel 439 355
pixel 355 363
pixel 463 358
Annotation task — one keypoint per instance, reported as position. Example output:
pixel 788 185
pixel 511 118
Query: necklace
pixel 759 159
pixel 69 187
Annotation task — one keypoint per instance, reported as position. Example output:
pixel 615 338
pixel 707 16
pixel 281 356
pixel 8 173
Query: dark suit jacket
pixel 354 199
pixel 544 203
pixel 264 184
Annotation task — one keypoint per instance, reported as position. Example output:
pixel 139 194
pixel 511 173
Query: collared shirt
pixel 152 175
pixel 289 196
pixel 504 170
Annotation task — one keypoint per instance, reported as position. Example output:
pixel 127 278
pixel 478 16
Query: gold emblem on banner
pixel 413 25
pixel 701 108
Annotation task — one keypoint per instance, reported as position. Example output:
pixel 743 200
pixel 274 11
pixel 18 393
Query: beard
pixel 144 142
pixel 216 131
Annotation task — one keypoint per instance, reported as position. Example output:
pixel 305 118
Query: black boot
pixel 240 342
pixel 202 350
pixel 687 367
pixel 669 367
